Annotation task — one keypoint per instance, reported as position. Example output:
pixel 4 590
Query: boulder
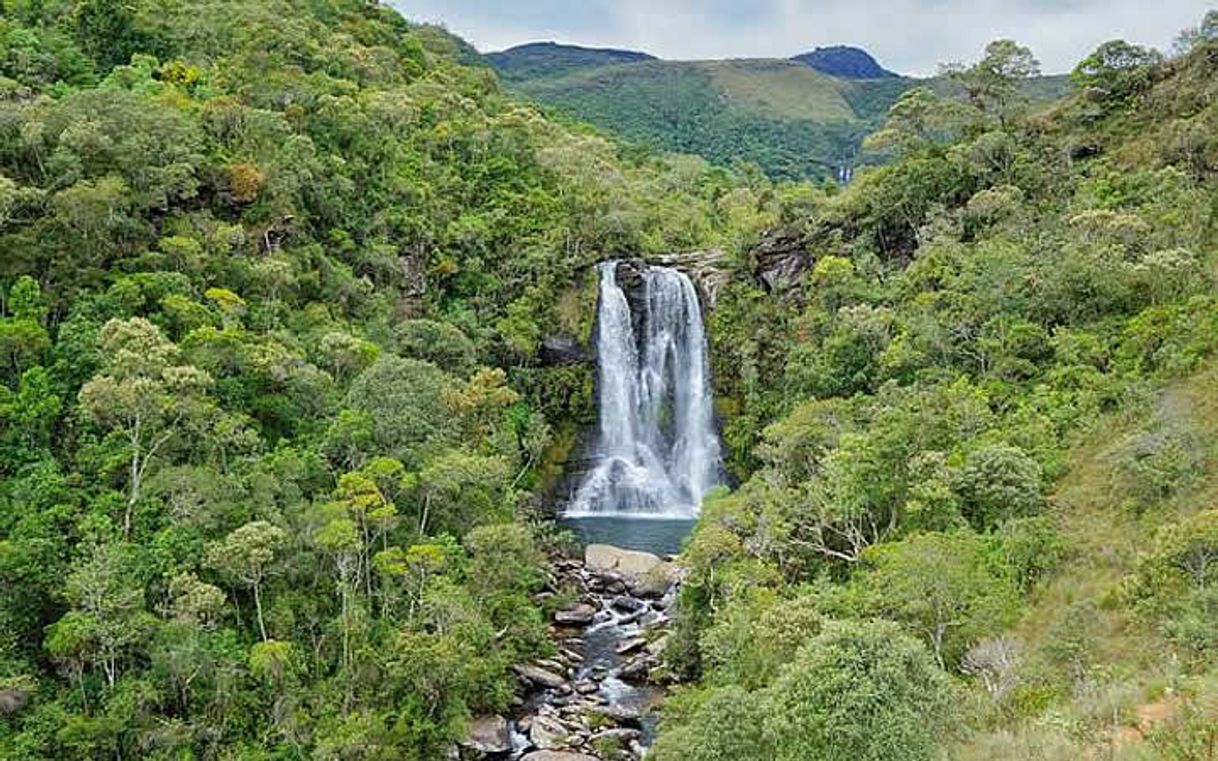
pixel 488 734
pixel 637 670
pixel 656 581
pixel 557 755
pixel 623 715
pixel 627 604
pixel 576 615
pixel 631 645
pixel 548 733
pixel 540 676
pixel 603 557
pixel 12 701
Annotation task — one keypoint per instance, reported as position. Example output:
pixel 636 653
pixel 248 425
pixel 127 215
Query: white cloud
pixel 909 36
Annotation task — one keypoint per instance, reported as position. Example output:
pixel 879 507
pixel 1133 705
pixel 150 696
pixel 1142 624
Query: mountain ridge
pixel 797 118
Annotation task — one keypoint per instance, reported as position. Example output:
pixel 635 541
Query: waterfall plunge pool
pixel 656 452
pixel 659 535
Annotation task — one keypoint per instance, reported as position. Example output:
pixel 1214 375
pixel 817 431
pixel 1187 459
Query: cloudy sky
pixel 908 36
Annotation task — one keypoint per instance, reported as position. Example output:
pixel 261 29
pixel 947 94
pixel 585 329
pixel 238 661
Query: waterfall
pixel 656 453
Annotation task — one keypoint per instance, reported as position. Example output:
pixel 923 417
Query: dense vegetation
pixel 797 119
pixel 274 277
pixel 975 445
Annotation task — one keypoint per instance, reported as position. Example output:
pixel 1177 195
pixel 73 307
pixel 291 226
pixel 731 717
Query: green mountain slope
pixel 975 441
pixel 275 276
pixel 784 115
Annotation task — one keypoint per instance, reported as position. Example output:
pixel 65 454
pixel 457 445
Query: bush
pixel 998 483
pixel 859 692
pixel 440 343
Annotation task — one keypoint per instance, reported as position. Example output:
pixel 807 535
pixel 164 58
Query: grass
pixel 1128 701
pixel 780 90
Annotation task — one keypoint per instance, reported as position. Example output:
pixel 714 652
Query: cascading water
pixel 657 453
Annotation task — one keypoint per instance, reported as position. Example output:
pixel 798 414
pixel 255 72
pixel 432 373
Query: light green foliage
pixel 942 588
pixel 725 724
pixel 1117 70
pixel 440 343
pixel 853 691
pixel 859 692
pixel 246 555
pixel 1174 583
pixel 998 483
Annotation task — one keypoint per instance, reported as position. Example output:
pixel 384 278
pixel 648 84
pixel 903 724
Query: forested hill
pixel 845 62
pixel 800 118
pixel 275 278
pixel 973 418
pixel 282 282
pixel 550 59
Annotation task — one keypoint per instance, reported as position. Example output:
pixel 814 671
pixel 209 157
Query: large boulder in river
pixel 604 557
pixel 645 574
pixel 488 734
pixel 539 676
pixel 548 733
pixel 558 755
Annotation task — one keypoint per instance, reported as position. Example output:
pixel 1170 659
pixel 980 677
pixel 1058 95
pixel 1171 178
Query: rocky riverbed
pixel 593 700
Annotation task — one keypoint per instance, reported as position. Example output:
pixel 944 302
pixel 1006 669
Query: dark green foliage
pixel 905 415
pixel 273 278
pixel 797 119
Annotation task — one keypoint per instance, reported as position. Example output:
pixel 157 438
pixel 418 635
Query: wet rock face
pixel 562 350
pixel 708 269
pixel 781 260
pixel 598 690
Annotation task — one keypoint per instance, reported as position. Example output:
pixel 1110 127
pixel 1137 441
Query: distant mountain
pixel 551 59
pixel 791 117
pixel 846 62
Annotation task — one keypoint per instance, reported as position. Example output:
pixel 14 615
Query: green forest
pixel 790 119
pixel 277 435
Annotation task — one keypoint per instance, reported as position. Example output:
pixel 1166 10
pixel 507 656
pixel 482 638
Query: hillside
pixel 845 62
pixel 273 414
pixel 296 309
pixel 799 118
pixel 972 415
pixel 547 59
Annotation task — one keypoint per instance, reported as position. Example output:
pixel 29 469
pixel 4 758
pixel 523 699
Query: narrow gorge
pixel 654 455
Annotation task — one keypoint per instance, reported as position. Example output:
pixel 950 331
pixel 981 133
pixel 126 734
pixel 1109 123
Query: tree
pixel 247 554
pixel 858 692
pixel 998 483
pixel 108 619
pixel 143 396
pixel 941 587
pixel 992 84
pixel 918 119
pixel 1204 33
pixel 1116 71
pixel 23 339
pixel 725 724
pixel 405 400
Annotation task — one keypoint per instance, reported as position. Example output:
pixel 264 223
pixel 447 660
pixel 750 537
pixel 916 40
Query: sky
pixel 908 36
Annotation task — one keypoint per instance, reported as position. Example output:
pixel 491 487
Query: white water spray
pixel 657 453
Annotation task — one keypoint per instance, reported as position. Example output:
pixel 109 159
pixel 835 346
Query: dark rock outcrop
pixel 780 262
pixel 560 350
